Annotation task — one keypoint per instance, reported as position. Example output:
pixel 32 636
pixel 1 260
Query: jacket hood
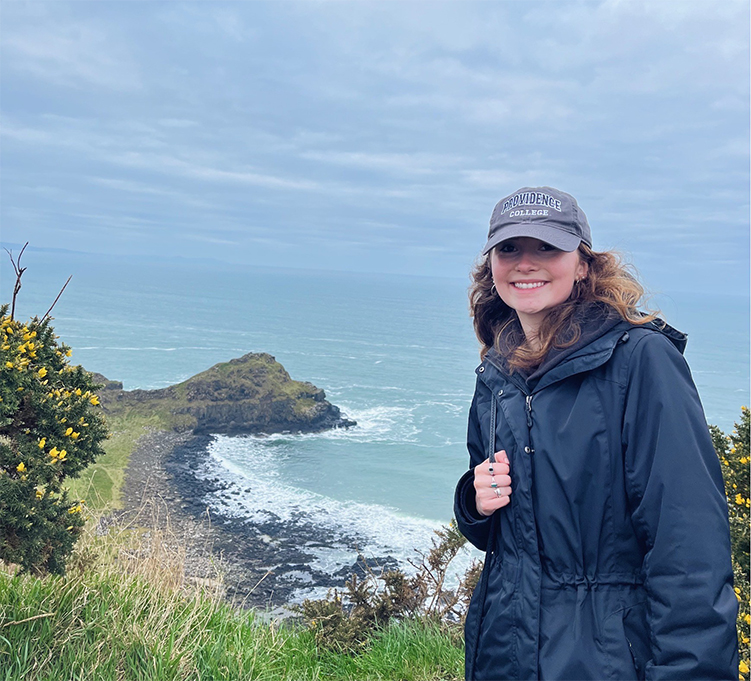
pixel 595 320
pixel 677 338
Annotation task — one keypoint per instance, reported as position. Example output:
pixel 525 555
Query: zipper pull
pixel 529 411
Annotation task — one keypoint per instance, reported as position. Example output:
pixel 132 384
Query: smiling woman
pixel 593 484
pixel 533 277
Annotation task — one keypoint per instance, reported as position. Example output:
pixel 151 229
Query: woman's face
pixel 532 277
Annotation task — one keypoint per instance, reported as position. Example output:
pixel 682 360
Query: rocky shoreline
pixel 261 565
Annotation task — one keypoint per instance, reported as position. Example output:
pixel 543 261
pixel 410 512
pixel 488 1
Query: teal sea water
pixel 396 353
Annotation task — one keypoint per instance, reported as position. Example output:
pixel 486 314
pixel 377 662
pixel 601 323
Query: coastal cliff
pixel 249 394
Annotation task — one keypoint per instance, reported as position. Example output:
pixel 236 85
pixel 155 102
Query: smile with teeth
pixel 531 284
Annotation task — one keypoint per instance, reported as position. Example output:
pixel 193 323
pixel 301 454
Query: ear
pixel 582 270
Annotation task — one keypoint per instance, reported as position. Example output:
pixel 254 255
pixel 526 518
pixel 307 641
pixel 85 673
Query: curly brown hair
pixel 609 281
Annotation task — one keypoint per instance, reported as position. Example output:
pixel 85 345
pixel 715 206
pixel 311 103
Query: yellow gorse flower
pixel 42 372
pixel 42 442
pixel 68 432
pixel 739 499
pixel 54 453
pixel 94 400
pixel 21 468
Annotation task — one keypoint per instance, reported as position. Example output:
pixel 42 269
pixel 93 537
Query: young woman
pixel 593 485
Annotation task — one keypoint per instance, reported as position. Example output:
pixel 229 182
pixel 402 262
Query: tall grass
pixel 100 484
pixel 104 626
pixel 126 611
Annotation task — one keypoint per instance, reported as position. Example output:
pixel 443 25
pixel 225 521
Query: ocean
pixel 395 353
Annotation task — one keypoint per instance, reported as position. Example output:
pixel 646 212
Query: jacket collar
pixel 586 358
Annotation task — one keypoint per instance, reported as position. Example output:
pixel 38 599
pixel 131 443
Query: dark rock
pixel 105 382
pixel 248 395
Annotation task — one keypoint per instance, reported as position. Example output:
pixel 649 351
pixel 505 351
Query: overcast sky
pixel 377 136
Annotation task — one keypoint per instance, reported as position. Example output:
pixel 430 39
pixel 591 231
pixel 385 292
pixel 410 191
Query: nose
pixel 526 262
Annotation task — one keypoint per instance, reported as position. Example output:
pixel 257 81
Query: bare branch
pixel 19 271
pixel 46 314
pixel 30 619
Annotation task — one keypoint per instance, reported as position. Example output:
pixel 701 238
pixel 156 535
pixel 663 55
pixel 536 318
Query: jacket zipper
pixel 529 411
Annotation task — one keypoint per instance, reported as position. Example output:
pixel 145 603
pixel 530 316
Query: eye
pixel 506 247
pixel 548 247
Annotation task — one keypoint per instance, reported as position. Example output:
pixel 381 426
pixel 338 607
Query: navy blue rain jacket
pixel 612 560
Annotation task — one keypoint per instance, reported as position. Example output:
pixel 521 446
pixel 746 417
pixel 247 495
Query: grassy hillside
pixel 105 624
pixel 125 610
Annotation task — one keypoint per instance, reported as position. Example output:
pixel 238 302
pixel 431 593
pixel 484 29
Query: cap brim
pixel 550 235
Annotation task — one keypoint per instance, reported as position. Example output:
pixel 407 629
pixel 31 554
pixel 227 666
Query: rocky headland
pixel 260 565
pixel 249 395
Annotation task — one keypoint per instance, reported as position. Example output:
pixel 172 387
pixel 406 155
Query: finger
pixel 504 501
pixel 490 493
pixel 501 456
pixel 489 507
pixel 480 467
pixel 498 468
pixel 490 499
pixel 484 482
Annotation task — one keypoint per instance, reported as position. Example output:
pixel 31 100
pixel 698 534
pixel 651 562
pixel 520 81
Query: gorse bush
pixel 51 428
pixel 346 620
pixel 734 454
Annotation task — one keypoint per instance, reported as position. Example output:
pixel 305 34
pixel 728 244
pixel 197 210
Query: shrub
pixel 346 621
pixel 733 451
pixel 50 428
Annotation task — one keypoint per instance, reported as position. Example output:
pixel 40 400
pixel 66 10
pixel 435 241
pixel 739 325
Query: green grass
pixel 124 612
pixel 105 625
pixel 101 482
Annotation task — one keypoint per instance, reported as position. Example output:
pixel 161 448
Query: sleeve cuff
pixel 464 501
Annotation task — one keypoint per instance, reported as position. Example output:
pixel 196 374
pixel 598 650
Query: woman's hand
pixel 492 484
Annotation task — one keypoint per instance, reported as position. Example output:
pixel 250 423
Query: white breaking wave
pixel 386 425
pixel 258 493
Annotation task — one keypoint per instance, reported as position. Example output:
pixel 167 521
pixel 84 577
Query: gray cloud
pixel 371 134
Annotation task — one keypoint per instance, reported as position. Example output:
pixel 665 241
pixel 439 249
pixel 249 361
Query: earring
pixel 493 289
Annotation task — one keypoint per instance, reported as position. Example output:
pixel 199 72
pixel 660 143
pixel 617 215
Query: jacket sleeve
pixel 470 523
pixel 679 511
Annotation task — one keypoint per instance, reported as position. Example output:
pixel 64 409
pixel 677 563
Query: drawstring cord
pixel 483 586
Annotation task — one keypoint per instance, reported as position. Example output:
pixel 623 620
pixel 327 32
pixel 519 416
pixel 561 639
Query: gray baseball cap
pixel 543 213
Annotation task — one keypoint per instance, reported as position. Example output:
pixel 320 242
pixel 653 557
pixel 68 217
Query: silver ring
pixel 490 469
pixel 498 493
pixel 494 484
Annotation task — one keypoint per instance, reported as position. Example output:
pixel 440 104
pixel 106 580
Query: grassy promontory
pixel 249 394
